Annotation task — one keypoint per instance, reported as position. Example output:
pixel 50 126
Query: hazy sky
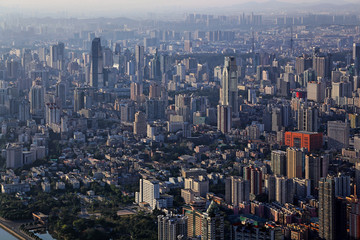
pixel 127 6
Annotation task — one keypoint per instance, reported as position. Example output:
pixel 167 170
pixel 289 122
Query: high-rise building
pixel 127 111
pixel 194 213
pixel 284 190
pixel 224 118
pixel 149 192
pixel 308 119
pixel 57 56
pixel 24 110
pixel 354 221
pixel 14 156
pixel 37 98
pixel 322 65
pixel 212 223
pixel 229 83
pixel 97 64
pixel 316 167
pixel 136 91
pixel 256 181
pixel 327 227
pixel 199 185
pixel 52 113
pixel 338 134
pixel 295 163
pixel 140 126
pixel 270 187
pixel 342 186
pixel 155 109
pixel 278 162
pixel 172 227
pixel 303 63
pixel 139 58
pixel 61 92
pixel 316 91
pixel 237 190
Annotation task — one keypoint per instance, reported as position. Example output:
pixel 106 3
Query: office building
pixel 172 227
pixel 338 134
pixel 312 141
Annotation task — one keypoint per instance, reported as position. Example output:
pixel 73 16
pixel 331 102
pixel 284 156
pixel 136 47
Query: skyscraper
pixel 139 58
pixel 97 64
pixel 327 227
pixel 172 227
pixel 229 89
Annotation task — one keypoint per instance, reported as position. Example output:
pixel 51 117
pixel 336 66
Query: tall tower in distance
pixel 96 68
pixel 229 89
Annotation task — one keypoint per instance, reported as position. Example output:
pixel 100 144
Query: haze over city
pixel 179 120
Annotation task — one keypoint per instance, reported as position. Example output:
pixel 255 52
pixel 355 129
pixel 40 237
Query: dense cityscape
pixel 201 127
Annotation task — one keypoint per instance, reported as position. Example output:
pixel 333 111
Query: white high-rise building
pixel 149 192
